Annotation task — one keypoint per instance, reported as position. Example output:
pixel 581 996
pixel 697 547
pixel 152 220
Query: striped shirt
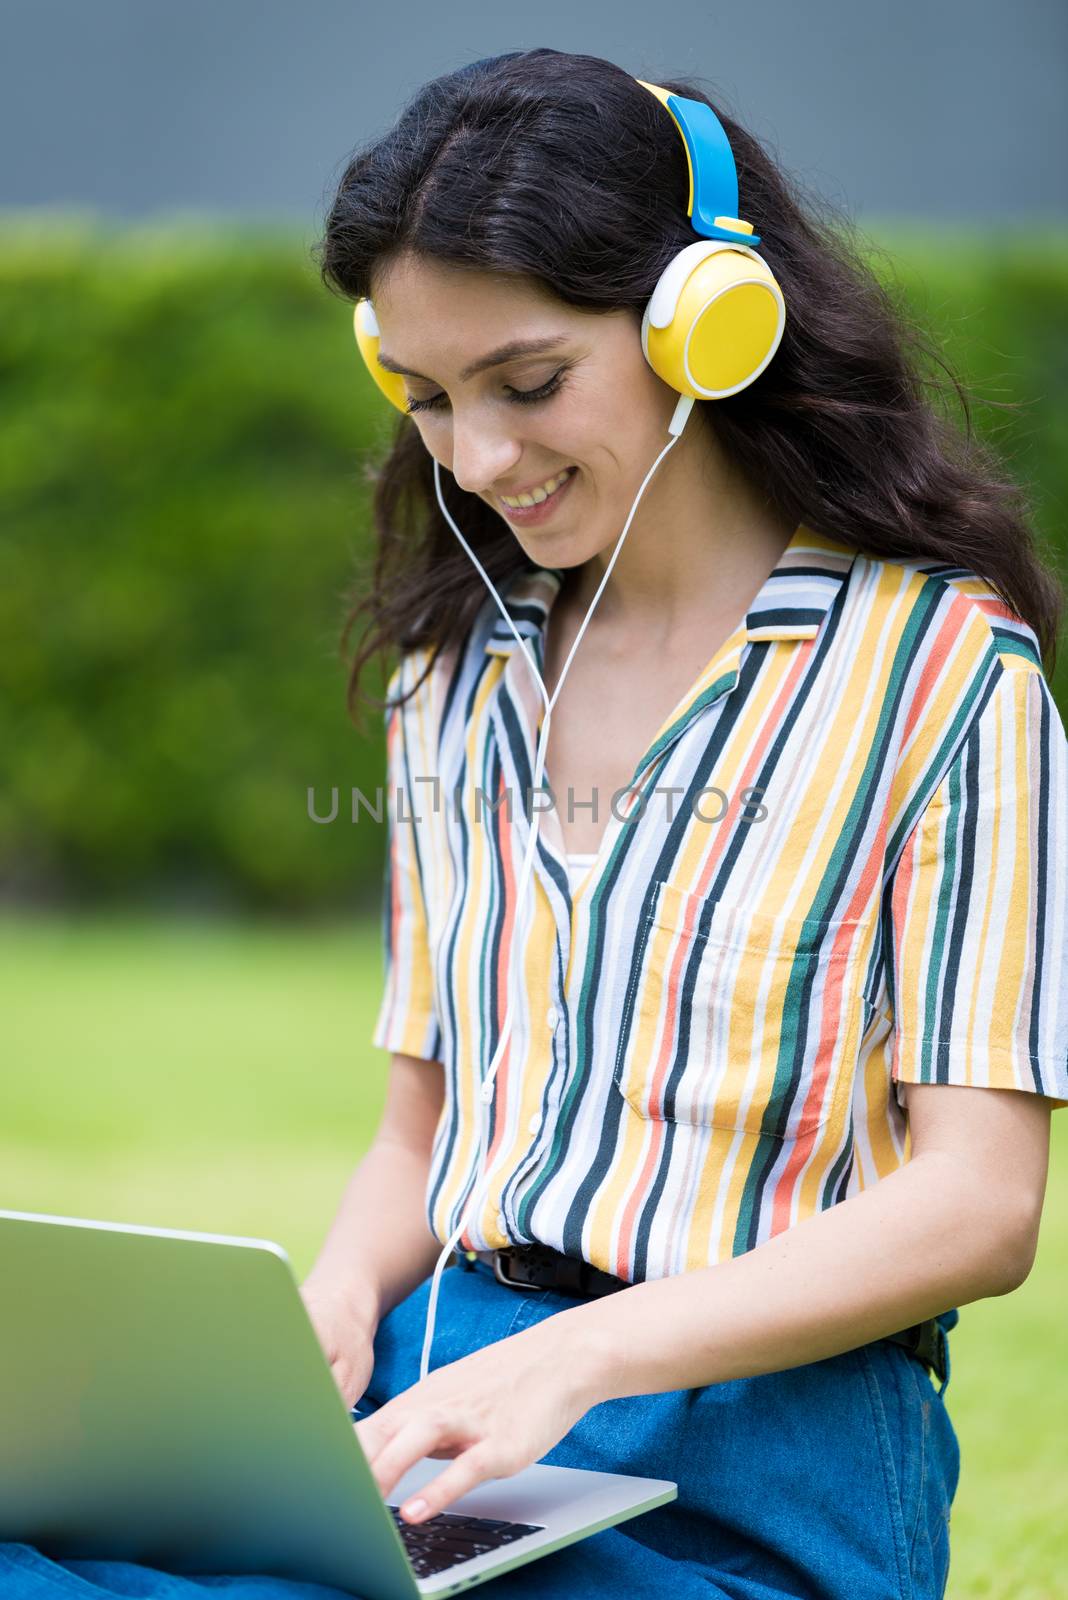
pixel 841 866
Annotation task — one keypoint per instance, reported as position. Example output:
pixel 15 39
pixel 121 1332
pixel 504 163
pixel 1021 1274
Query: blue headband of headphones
pixel 713 172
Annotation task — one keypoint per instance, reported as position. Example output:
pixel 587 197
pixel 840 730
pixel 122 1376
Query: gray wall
pixel 951 109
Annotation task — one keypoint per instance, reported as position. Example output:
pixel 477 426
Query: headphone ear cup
pixel 727 324
pixel 368 340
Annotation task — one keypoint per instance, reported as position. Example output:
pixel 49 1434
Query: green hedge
pixel 185 429
pixel 183 499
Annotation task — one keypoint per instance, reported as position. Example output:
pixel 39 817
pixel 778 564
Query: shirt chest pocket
pixel 741 1020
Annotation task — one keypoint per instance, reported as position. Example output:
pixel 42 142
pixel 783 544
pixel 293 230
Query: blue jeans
pixel 831 1481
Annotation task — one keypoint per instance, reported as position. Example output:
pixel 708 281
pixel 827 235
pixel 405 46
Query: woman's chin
pixel 556 547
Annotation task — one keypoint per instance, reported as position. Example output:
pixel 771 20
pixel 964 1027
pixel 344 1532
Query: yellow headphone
pixel 716 316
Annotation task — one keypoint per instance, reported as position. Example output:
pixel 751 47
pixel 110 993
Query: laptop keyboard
pixel 445 1540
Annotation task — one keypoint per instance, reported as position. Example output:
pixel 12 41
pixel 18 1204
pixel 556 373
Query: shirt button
pixel 535 1122
pixel 552 1016
pixel 502 1223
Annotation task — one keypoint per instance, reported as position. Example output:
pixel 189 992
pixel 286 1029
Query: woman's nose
pixel 481 459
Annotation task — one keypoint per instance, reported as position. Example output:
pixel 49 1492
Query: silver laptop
pixel 164 1399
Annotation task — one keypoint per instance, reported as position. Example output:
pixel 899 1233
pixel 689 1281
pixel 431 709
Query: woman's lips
pixel 527 516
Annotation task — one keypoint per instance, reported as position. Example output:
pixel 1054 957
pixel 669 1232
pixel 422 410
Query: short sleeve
pixel 407 1020
pixel 979 907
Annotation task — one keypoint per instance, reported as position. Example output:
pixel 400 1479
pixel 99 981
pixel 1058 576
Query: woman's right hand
pixel 346 1332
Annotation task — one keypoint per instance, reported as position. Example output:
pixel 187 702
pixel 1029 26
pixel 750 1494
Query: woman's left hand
pixel 493 1412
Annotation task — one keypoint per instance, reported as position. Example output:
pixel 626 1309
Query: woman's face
pixel 597 406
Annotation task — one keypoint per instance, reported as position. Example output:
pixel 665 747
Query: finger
pixel 340 1374
pixel 375 1431
pixel 417 1438
pixel 348 1382
pixel 473 1467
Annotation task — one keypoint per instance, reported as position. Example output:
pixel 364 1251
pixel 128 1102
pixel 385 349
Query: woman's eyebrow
pixel 496 358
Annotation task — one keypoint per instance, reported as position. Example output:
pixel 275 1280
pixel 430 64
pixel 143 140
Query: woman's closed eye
pixel 523 397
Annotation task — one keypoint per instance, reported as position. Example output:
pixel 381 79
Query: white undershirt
pixel 577 868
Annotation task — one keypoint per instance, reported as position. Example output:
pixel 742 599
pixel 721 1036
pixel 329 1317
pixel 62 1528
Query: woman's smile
pixel 528 516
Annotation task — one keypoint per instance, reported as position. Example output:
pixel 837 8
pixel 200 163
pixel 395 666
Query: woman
pixel 791 1003
pixel 728 1088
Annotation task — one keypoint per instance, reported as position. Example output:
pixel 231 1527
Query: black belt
pixel 536 1266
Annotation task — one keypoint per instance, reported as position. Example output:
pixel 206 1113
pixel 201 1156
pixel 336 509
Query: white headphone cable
pixel 675 428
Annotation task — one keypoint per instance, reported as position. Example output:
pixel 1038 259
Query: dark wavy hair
pixel 843 430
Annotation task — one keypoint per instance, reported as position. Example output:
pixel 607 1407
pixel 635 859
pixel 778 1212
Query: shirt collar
pixel 792 603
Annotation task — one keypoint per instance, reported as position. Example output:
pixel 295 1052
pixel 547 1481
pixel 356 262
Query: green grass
pixel 220 1076
pixel 191 1075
